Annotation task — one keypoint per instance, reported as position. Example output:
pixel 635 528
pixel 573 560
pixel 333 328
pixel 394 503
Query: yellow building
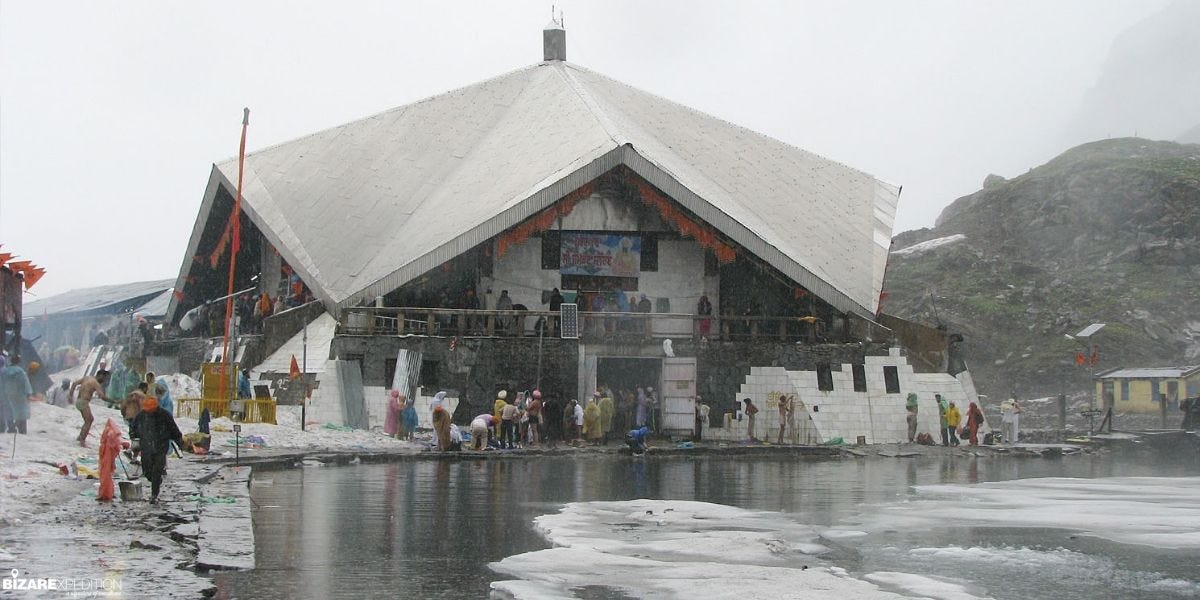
pixel 1145 389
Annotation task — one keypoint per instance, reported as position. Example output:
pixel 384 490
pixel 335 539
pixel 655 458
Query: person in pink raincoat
pixel 110 446
pixel 391 423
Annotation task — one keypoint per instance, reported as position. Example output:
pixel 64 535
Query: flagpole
pixel 235 245
pixel 303 377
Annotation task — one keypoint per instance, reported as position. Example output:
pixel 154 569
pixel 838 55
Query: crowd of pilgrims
pixel 530 420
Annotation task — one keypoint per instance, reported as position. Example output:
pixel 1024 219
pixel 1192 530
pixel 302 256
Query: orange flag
pixel 294 371
pixel 33 275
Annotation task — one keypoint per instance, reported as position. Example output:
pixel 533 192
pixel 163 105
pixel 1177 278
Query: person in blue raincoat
pixel 165 402
pixel 243 385
pixel 636 440
pixel 15 394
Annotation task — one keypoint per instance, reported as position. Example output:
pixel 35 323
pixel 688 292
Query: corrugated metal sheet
pixel 156 308
pixel 1150 372
pixel 362 208
pixel 95 298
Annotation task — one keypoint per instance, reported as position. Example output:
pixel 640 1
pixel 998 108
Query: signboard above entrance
pixel 601 255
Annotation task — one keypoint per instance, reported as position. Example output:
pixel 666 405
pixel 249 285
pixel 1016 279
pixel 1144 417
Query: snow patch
pixel 1154 511
pixel 677 549
pixel 922 586
pixel 928 245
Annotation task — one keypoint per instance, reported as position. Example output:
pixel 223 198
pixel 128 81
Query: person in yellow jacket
pixel 498 405
pixel 953 418
pixel 608 409
pixel 591 423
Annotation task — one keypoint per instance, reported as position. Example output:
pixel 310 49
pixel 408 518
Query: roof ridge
pixel 590 102
pixel 744 128
pixel 394 109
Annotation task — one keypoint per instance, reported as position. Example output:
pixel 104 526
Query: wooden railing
pixel 592 325
pixel 254 411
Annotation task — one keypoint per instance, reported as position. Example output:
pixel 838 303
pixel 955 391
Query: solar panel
pixel 569 314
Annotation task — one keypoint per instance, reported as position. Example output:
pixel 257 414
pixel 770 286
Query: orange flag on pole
pixel 294 371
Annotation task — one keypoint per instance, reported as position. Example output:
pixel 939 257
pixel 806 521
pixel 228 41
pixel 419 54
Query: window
pixel 712 268
pixel 1155 392
pixel 860 378
pixel 824 377
pixel 358 358
pixel 891 380
pixel 389 372
pixel 551 250
pixel 1125 390
pixel 649 253
pixel 429 374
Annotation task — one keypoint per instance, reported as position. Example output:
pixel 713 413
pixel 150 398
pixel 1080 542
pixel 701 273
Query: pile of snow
pixel 31 475
pixel 182 386
pixel 677 549
pixel 1155 511
pixel 286 435
pixel 928 245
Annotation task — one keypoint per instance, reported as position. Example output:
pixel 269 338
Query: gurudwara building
pixel 554 228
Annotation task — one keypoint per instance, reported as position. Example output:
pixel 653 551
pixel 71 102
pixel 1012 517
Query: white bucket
pixel 130 490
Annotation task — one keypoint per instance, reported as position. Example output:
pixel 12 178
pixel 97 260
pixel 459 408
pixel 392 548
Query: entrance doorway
pixel 628 373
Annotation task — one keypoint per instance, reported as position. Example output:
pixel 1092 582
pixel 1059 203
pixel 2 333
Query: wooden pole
pixel 235 245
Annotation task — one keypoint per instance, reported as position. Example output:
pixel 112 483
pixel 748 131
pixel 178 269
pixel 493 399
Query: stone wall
pixel 472 371
pixel 723 366
pixel 874 414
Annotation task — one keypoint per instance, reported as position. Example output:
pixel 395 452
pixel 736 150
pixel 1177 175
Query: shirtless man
pixel 88 387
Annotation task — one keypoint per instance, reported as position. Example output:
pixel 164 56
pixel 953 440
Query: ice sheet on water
pixel 922 586
pixel 1075 568
pixel 677 549
pixel 1157 511
pixel 1016 557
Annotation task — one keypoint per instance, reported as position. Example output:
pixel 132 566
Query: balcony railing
pixel 592 325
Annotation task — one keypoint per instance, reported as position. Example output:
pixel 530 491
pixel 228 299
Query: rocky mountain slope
pixel 1107 232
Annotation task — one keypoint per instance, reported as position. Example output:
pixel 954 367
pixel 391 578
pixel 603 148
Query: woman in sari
pixel 974 422
pixel 441 428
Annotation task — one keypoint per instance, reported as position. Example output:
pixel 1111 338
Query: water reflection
pixel 427 529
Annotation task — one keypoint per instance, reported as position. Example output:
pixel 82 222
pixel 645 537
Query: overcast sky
pixel 112 113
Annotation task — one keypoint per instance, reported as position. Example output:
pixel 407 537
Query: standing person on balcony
pixel 504 302
pixel 704 308
pixel 471 302
pixel 598 306
pixel 556 302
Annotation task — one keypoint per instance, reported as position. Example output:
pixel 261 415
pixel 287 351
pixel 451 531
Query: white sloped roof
pixel 101 298
pixel 1150 372
pixel 364 207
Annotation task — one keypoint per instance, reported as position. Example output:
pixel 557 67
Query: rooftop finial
pixel 554 38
